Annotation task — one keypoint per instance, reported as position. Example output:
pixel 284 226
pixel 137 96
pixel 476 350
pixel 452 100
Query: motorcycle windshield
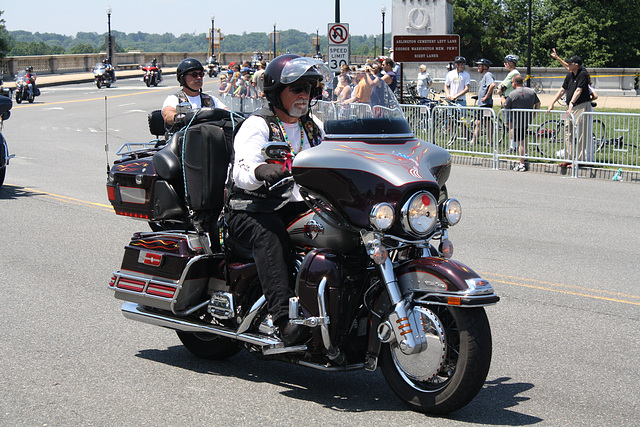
pixel 99 68
pixel 380 117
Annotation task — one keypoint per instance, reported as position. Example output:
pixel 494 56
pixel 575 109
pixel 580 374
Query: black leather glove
pixel 271 173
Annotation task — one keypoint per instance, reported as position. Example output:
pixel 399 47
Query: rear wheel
pixel 209 346
pixel 452 370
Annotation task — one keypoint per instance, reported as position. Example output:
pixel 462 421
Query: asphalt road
pixel 562 253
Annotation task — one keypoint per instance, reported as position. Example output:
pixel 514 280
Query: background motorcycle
pixel 24 88
pixel 370 286
pixel 5 106
pixel 151 75
pixel 101 75
pixel 212 66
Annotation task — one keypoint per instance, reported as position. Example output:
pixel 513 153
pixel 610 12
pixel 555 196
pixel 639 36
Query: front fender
pixel 444 282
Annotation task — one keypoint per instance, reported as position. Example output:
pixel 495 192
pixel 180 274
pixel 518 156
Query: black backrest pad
pixel 206 158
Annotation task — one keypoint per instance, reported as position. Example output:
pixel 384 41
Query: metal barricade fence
pixel 544 136
pixel 243 105
pixel 325 110
pixel 419 118
pixel 613 140
pixel 464 129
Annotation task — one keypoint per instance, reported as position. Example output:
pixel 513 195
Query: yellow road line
pixel 553 287
pixel 69 199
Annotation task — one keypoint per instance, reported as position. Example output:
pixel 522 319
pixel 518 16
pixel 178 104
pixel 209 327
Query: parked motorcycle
pixel 151 74
pixel 5 106
pixel 24 88
pixel 212 66
pixel 102 77
pixel 374 278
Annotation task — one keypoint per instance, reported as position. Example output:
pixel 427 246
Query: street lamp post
pixel 383 10
pixel 213 46
pixel 109 46
pixel 317 41
pixel 274 39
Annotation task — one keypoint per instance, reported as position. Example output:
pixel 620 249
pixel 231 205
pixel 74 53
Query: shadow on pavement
pixel 357 391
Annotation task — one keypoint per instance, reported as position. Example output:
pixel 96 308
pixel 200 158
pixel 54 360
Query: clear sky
pixel 192 16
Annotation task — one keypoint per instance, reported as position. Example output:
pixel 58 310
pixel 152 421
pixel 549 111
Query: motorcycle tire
pixel 148 82
pixel 210 74
pixel 99 84
pixel 209 346
pixel 18 97
pixel 108 84
pixel 3 172
pixel 466 364
pixel 31 99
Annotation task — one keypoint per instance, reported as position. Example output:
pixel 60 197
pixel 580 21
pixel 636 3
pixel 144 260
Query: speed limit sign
pixel 339 52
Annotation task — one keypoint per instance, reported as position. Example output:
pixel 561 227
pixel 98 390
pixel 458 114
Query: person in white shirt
pixel 190 75
pixel 257 215
pixel 456 82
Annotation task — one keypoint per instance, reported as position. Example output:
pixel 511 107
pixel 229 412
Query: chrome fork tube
pixel 404 324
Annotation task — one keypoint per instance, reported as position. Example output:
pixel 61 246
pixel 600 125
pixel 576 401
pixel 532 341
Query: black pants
pixel 266 235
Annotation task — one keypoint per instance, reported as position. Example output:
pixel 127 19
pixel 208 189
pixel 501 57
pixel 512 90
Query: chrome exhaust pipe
pixel 164 319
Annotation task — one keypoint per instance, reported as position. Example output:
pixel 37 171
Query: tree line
pixel 603 32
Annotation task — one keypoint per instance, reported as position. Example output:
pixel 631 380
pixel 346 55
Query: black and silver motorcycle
pixel 5 106
pixel 374 278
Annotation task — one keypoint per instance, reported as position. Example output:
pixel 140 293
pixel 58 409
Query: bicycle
pixel 535 84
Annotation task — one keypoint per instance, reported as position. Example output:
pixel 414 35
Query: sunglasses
pixel 300 87
pixel 196 74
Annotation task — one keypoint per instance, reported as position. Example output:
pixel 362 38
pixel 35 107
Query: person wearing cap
pixel 257 213
pixel 456 82
pixel 576 88
pixel 485 100
pixel 190 75
pixel 505 88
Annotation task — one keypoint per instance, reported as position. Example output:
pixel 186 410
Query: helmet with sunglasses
pixel 186 65
pixel 290 69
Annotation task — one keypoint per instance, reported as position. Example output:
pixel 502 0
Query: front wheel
pixel 99 83
pixel 461 339
pixel 18 97
pixel 209 346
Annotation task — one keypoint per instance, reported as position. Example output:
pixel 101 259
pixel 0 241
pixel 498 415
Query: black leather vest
pixel 261 199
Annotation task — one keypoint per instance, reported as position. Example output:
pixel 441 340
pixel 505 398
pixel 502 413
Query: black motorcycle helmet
pixel 186 65
pixel 288 69
pixel 484 61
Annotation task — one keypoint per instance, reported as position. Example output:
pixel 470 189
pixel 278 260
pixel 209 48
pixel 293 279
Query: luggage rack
pixel 131 148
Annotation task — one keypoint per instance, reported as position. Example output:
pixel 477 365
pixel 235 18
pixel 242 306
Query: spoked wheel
pixel 209 346
pixel 449 373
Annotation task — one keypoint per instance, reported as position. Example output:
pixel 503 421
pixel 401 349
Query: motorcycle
pixel 374 279
pixel 151 75
pixel 5 106
pixel 212 66
pixel 101 76
pixel 24 88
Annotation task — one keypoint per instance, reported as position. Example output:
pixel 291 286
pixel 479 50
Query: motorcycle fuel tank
pixel 313 230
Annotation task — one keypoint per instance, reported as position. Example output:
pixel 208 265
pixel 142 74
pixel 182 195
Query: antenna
pixel 106 133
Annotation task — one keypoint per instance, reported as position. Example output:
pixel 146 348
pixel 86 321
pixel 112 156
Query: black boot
pixel 292 334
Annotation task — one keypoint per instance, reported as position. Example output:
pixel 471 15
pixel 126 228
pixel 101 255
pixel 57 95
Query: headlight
pixel 452 211
pixel 420 214
pixel 381 216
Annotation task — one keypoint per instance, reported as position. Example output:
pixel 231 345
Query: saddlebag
pixel 168 271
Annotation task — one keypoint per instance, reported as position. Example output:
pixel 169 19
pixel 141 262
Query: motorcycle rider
pixel 30 79
pixel 256 216
pixel 190 75
pixel 154 63
pixel 109 69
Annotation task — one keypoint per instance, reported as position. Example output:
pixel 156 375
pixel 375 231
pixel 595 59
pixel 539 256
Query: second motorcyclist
pixel 257 217
pixel 190 75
